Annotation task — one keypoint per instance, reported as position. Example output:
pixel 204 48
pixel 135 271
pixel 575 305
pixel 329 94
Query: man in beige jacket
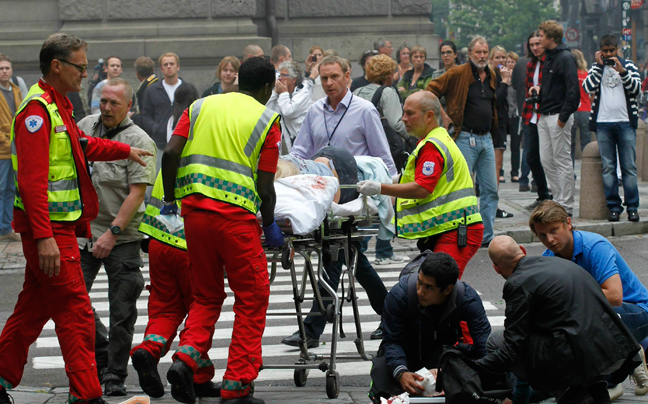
pixel 9 102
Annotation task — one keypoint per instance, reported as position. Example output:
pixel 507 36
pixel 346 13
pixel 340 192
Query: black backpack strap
pixel 461 290
pixel 114 132
pixel 375 100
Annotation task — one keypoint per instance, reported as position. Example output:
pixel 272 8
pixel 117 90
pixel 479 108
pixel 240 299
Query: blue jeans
pixel 612 137
pixel 635 318
pixel 366 276
pixel 384 248
pixel 7 194
pixel 481 160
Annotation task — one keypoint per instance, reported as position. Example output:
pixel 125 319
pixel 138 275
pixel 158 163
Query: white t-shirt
pixel 612 101
pixel 170 89
pixel 536 78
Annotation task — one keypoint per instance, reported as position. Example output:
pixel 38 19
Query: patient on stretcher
pixel 328 162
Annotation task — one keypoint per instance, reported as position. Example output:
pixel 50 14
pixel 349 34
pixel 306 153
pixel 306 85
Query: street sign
pixel 627 31
pixel 626 5
pixel 635 4
pixel 571 34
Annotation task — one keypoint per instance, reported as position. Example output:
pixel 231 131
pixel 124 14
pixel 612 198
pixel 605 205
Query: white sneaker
pixel 640 376
pixel 616 392
pixel 394 259
pixel 10 237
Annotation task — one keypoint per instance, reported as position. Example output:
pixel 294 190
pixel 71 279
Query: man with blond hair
pixel 553 310
pixel 158 103
pixel 595 254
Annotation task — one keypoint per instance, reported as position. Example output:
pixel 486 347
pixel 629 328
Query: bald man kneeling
pixel 560 334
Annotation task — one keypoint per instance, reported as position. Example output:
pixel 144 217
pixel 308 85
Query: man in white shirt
pixel 616 84
pixel 158 103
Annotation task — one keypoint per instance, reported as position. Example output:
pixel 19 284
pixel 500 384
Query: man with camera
pixel 559 99
pixel 616 85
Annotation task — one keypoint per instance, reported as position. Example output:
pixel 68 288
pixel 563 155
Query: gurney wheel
pixel 300 376
pixel 332 384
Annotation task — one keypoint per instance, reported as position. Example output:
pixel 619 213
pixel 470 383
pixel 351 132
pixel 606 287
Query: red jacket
pixel 32 150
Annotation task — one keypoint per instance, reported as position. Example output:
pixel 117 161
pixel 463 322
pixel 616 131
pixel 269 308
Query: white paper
pixel 429 382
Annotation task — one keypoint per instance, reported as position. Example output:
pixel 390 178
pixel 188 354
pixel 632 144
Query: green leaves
pixel 501 22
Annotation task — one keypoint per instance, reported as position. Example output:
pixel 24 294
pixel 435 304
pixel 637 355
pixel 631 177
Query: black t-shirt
pixel 359 82
pixel 478 113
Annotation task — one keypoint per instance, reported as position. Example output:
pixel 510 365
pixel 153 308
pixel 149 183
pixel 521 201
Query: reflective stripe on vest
pixel 452 198
pixel 153 227
pixel 63 196
pixel 219 160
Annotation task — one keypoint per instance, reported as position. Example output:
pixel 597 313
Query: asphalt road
pixel 44 367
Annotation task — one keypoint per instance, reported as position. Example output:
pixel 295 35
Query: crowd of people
pixel 145 159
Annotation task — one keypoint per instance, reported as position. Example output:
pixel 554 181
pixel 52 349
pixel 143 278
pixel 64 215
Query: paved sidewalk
pixel 271 395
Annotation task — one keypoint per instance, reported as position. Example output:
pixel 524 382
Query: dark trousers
pixel 532 150
pixel 366 276
pixel 516 140
pixel 125 284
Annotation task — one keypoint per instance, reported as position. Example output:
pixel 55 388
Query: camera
pixel 609 62
pixel 313 58
pixel 534 99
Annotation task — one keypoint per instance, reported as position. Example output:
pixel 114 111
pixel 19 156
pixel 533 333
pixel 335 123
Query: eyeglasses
pixel 81 69
pixel 447 53
pixel 371 52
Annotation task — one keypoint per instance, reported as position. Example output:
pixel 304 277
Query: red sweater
pixel 32 150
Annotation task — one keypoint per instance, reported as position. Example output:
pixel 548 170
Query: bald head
pixel 505 253
pixel 421 113
pixel 252 51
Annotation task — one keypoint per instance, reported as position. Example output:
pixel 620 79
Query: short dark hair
pixel 450 44
pixel 400 49
pixel 609 40
pixel 255 73
pixel 442 267
pixel 145 66
pixel 113 57
pixel 58 46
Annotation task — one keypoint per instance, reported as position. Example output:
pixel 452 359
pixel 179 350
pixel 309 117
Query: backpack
pixel 397 145
pixel 463 382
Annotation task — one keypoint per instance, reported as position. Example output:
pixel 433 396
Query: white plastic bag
pixel 402 399
pixel 304 200
pixel 429 382
pixel 172 222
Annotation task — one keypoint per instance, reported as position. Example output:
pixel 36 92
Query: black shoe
pixel 524 188
pixel 503 214
pixel 249 399
pixel 485 244
pixel 180 377
pixel 115 388
pixel 293 340
pixel 534 188
pixel 614 216
pixel 5 398
pixel 149 378
pixel 533 205
pixel 633 216
pixel 515 178
pixel 207 389
pixel 378 334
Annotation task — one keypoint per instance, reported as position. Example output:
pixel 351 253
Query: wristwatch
pixel 116 230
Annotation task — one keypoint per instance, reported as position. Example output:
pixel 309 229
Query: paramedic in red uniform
pixel 55 201
pixel 221 161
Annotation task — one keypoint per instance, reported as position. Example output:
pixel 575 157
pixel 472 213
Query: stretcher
pixel 336 235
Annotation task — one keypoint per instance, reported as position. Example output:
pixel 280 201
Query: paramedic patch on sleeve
pixel 33 123
pixel 428 168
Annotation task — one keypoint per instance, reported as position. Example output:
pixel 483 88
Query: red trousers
pixel 62 298
pixel 447 243
pixel 216 243
pixel 169 301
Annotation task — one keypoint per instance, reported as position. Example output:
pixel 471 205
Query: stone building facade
pixel 202 32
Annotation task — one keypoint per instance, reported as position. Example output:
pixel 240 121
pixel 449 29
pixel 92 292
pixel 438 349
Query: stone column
pixel 641 132
pixel 592 204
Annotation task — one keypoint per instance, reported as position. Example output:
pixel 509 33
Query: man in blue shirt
pixel 627 295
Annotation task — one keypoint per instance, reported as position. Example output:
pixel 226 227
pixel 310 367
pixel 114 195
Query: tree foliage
pixel 501 22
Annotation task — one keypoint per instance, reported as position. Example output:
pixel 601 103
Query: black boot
pixel 180 377
pixel 207 389
pixel 149 378
pixel 5 398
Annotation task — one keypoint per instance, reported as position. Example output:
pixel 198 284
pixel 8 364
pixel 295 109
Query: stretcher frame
pixel 335 234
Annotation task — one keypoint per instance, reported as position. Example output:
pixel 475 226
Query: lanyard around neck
pixel 338 124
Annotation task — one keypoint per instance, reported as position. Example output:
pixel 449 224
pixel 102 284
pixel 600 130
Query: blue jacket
pixel 414 340
pixel 631 86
